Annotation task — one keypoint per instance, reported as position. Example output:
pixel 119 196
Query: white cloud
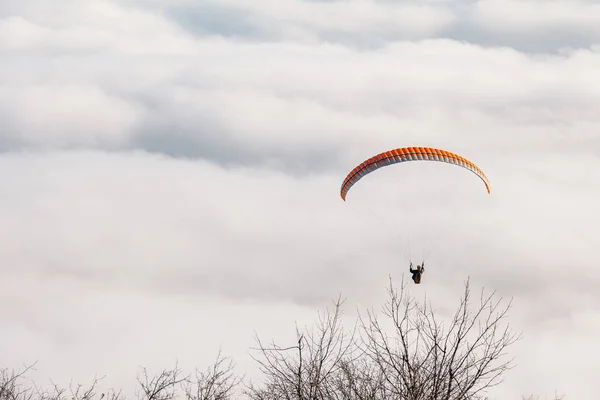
pixel 88 26
pixel 95 245
pixel 66 115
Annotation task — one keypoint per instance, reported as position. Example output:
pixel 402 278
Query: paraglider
pixel 404 154
pixel 408 154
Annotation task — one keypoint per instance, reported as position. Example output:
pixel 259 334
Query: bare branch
pixel 162 386
pixel 10 386
pixel 218 382
pixel 309 370
pixel 425 360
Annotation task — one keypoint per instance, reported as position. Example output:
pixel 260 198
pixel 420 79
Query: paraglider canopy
pixel 408 154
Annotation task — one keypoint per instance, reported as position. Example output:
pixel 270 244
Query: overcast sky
pixel 171 170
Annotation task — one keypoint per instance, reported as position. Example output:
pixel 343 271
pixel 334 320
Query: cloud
pixel 349 22
pixel 171 163
pixel 531 26
pixel 204 109
pixel 59 115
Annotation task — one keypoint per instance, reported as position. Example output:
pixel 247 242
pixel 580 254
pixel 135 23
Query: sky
pixel 171 175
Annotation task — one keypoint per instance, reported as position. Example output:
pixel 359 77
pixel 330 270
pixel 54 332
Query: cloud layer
pixel 169 163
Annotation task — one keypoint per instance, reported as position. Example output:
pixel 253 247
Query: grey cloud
pixel 468 26
pixel 210 19
pixel 206 139
pixel 229 153
pixel 372 94
pixel 546 41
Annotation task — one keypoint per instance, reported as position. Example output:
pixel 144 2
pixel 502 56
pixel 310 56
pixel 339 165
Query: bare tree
pixel 360 379
pixel 417 358
pixel 77 392
pixel 556 397
pixel 425 360
pixel 217 382
pixel 310 369
pixel 162 386
pixel 11 387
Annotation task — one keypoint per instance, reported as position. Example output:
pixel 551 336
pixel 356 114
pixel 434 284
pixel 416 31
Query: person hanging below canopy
pixel 416 273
